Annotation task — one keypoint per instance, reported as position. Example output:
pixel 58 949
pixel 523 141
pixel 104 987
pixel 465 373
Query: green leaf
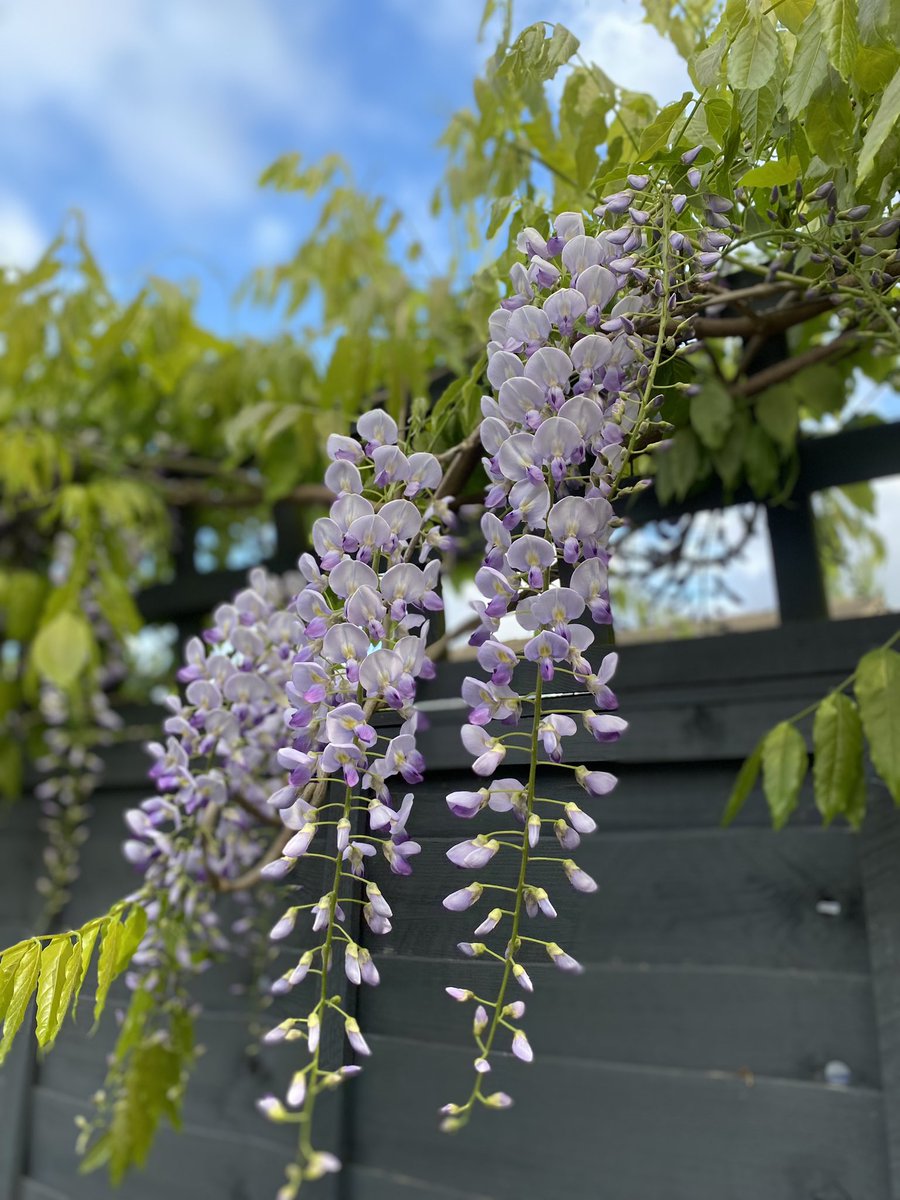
pixel 132 935
pixel 11 768
pixel 712 411
pixel 754 54
pixel 54 963
pixel 89 935
pixel 678 466
pixel 9 965
pixel 62 648
pixel 22 601
pixel 656 135
pixel 810 66
pixel 877 687
pixel 760 461
pixel 881 126
pixel 757 109
pixel 108 963
pixel 74 973
pixel 784 761
pixel 778 413
pixel 837 755
pixel 842 33
pixel 771 173
pixel 24 983
pixel 793 13
pixel 708 63
pixel 743 785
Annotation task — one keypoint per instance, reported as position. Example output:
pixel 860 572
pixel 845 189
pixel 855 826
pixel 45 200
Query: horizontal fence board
pixel 649 796
pixel 370 1183
pixel 201 1161
pixel 582 1131
pixel 785 1023
pixel 812 649
pixel 733 897
pixel 726 725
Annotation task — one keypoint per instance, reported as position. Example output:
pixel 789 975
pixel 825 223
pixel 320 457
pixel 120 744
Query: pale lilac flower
pixel 473 854
pixel 521 1047
pixel 580 880
pixel 597 783
pixel 490 922
pixel 604 726
pixel 551 730
pixel 464 898
pixel 564 961
pixel 490 751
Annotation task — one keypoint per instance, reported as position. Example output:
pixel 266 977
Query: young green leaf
pixel 71 984
pixel 841 32
pixel 743 785
pixel 62 648
pixel 877 688
pixel 837 755
pixel 784 767
pixel 89 936
pixel 108 963
pixel 656 135
pixel 810 65
pixel 754 54
pixel 26 977
pixel 880 127
pixel 54 963
pixel 132 934
pixel 9 965
pixel 712 410
pixel 776 171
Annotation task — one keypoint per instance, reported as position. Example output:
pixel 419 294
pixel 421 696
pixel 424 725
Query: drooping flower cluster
pixel 363 624
pixel 572 366
pixel 206 826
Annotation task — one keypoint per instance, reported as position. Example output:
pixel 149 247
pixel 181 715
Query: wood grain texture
pixel 881 878
pixel 584 1131
pixel 777 1023
pixel 735 897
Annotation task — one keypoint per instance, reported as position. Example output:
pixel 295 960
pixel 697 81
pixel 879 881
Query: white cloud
pixel 272 239
pixel 167 92
pixel 632 53
pixel 22 241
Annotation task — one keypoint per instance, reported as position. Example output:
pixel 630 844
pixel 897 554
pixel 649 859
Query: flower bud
pixel 498 1100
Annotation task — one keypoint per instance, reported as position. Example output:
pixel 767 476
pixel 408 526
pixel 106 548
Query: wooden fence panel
pixel 686 1064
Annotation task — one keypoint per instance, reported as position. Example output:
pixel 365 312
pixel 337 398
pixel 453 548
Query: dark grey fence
pixel 725 970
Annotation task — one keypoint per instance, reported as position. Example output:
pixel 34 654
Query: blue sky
pixel 155 118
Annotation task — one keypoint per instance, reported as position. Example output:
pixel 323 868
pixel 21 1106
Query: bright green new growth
pixel 838 747
pixel 54 967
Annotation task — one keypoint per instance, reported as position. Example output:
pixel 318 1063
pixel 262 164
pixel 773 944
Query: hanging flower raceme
pixel 572 362
pixel 209 822
pixel 352 753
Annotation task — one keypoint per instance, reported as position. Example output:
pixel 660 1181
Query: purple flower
pixel 580 880
pixel 521 1047
pixel 490 751
pixel 473 854
pixel 460 900
pixel 500 660
pixel 604 726
pixel 545 649
pixel 564 961
pixel 551 730
pixel 597 783
pixel 467 804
